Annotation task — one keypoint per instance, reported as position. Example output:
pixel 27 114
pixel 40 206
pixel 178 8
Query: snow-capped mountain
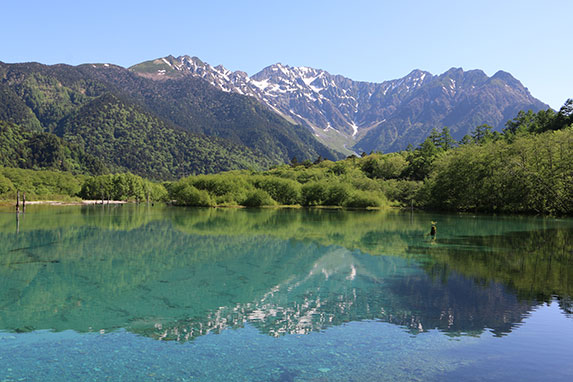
pixel 351 115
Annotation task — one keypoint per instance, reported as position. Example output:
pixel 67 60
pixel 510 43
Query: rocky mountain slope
pixel 358 116
pixel 162 130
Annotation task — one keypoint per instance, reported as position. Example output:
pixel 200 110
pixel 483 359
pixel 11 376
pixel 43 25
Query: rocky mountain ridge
pixel 358 116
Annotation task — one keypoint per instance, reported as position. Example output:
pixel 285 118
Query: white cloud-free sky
pixel 364 40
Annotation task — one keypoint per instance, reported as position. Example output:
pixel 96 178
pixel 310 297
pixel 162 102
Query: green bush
pixel 43 184
pixel 339 168
pixel 284 191
pixel 306 175
pixel 402 191
pixel 224 189
pixel 388 166
pixel 393 166
pixel 365 184
pixel 6 185
pixel 313 194
pixel 336 195
pixel 363 199
pixel 157 192
pixel 258 198
pixel 121 187
pixel 188 195
pixel 218 185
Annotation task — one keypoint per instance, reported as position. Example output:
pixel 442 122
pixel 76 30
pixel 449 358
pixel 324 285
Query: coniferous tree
pixel 446 142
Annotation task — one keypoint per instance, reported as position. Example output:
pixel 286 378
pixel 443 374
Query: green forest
pixel 161 131
pixel 526 168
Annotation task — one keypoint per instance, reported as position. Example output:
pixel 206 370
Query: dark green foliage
pixel 390 166
pixel 187 195
pixel 313 194
pixel 445 140
pixel 45 150
pixel 36 150
pixel 14 110
pixel 124 186
pixel 565 116
pixel 527 122
pixel 336 194
pixel 131 139
pixel 532 174
pixel 544 120
pixel 482 134
pixel 48 99
pixel 421 160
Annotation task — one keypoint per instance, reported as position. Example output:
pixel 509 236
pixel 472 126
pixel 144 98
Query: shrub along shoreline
pixel 525 169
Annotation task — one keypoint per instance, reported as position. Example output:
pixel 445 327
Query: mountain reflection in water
pixel 175 274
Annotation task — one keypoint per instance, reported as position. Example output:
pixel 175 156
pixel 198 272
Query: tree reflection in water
pixel 175 274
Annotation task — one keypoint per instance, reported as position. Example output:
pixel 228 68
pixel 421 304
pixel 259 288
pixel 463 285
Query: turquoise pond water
pixel 136 293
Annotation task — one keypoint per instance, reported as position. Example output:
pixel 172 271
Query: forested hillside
pixel 27 149
pixel 525 169
pixel 131 124
pixel 196 105
pixel 131 140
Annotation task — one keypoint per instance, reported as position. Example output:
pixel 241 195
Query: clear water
pixel 128 293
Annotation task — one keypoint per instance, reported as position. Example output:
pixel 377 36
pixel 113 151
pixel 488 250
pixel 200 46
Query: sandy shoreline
pixel 67 203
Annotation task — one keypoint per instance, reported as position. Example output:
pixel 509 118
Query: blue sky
pixel 363 40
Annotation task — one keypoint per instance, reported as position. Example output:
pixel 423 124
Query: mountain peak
pixel 417 73
pixel 342 113
pixel 507 78
pixel 454 73
pixel 416 77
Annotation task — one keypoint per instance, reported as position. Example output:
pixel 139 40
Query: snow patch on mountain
pixel 354 129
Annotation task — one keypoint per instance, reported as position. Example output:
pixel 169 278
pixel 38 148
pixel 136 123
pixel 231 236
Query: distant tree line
pixel 49 185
